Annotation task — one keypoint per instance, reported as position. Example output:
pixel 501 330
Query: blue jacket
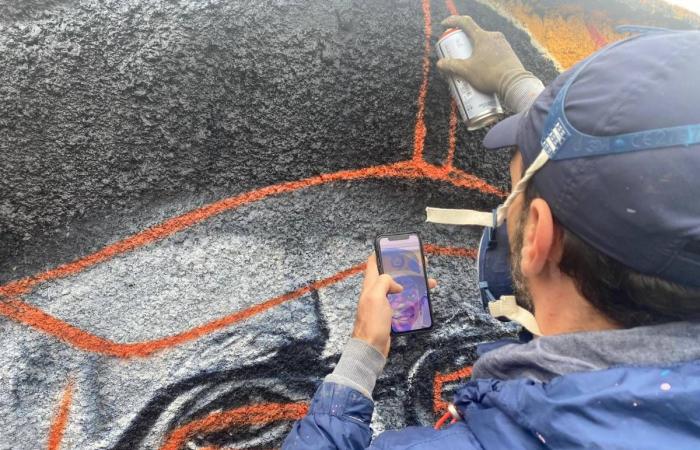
pixel 623 407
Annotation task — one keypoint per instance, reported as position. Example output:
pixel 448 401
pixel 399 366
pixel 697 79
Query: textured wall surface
pixel 189 190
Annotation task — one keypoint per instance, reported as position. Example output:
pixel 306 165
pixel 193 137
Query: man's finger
pixel 454 66
pixel 466 23
pixel 385 285
pixel 371 272
pixel 432 283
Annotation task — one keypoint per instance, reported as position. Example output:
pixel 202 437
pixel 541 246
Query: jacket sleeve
pixel 341 410
pixel 338 418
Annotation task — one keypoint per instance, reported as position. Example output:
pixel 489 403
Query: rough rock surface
pixel 115 115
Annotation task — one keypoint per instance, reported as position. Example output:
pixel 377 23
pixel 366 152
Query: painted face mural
pixel 190 190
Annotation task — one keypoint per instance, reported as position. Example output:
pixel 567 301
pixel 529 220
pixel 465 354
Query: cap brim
pixel 504 133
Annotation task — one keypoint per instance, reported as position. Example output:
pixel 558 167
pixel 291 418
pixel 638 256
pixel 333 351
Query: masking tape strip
pixel 459 217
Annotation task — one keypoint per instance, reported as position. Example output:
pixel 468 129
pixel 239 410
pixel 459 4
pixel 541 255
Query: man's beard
pixel 522 292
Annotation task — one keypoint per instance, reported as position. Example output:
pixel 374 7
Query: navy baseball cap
pixel 621 133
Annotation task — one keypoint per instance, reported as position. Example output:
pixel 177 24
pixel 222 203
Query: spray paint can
pixel 476 108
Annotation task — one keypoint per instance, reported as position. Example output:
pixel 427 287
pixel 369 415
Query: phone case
pixel 378 254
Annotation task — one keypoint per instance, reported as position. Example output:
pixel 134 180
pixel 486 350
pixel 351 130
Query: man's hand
pixel 373 320
pixel 493 65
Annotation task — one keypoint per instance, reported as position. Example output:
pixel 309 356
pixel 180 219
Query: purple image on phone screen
pixel 403 260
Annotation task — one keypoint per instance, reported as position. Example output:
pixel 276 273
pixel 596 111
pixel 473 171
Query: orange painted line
pixel 60 420
pixel 412 170
pixel 439 405
pixel 34 317
pixel 451 7
pixel 450 251
pixel 598 38
pixel 244 416
pixel 420 130
pixel 416 169
pixel 452 136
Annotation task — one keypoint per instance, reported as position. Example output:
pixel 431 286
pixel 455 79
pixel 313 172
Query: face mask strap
pixel 486 219
pixel 520 187
pixel 507 307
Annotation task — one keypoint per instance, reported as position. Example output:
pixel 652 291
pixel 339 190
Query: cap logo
pixel 555 139
pixel 665 137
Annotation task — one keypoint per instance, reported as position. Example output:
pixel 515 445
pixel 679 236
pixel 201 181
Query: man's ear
pixel 541 240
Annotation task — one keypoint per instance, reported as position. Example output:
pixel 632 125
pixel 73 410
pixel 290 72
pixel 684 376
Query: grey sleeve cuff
pixel 359 367
pixel 523 93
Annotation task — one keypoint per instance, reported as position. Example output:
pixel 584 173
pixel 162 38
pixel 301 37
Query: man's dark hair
pixel 625 296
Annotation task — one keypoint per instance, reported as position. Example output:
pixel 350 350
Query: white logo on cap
pixel 555 139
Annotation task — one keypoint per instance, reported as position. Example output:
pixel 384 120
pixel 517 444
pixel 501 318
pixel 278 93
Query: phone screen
pixel 401 257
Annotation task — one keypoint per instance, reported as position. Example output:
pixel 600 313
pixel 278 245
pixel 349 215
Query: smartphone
pixel 401 256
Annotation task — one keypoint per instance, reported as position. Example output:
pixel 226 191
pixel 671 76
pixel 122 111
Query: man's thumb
pixel 387 285
pixel 395 287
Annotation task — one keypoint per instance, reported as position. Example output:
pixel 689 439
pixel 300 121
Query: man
pixel 604 225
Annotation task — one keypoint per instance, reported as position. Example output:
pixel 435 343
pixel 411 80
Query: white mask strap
pixel 485 219
pixel 519 188
pixel 459 217
pixel 507 307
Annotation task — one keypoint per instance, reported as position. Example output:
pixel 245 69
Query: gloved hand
pixel 493 66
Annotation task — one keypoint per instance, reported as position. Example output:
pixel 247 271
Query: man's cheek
pixel 512 226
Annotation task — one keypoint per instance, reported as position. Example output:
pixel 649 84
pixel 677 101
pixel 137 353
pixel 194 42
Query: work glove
pixel 493 66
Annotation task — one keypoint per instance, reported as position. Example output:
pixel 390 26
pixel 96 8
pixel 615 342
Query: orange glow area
pixel 573 29
pixel 564 31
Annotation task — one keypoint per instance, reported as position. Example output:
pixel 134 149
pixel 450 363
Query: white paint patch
pixel 690 5
pixel 414 368
pixel 170 287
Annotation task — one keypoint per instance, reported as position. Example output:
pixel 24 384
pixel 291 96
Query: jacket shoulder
pixel 455 436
